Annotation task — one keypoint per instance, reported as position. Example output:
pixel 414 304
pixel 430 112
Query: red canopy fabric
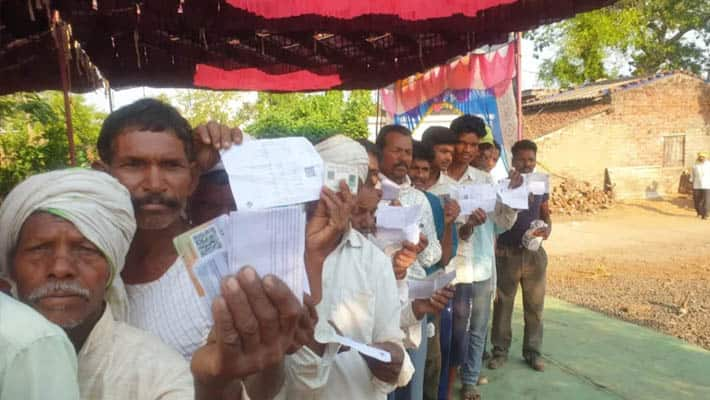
pixel 270 45
pixel 210 77
pixel 410 10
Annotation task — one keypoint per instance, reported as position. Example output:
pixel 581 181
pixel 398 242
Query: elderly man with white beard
pixel 64 242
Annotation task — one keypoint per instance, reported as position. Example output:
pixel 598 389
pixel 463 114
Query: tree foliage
pixel 648 35
pixel 314 116
pixel 201 106
pixel 33 135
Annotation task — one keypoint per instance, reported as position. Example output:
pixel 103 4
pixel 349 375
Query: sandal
pixel 469 392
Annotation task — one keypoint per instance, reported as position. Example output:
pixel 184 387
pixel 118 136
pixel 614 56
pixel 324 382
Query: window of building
pixel 674 151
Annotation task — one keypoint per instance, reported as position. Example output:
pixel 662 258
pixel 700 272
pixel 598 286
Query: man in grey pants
pixel 516 264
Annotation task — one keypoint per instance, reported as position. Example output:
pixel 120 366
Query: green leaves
pixel 33 135
pixel 648 35
pixel 314 116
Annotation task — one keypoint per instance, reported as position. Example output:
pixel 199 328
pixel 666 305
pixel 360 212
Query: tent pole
pixel 377 120
pixel 519 81
pixel 60 41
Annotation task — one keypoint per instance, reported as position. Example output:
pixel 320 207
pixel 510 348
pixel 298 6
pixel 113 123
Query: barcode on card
pixel 207 242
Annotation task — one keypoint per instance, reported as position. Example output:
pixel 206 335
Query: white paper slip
pixel 538 183
pixel 514 198
pixel 372 352
pixel 273 172
pixel 474 196
pixel 398 217
pixel 425 288
pixel 272 241
pixel 395 225
pixel 335 173
pixel 390 190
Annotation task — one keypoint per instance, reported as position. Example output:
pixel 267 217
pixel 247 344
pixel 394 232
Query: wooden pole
pixel 519 81
pixel 60 40
pixel 377 119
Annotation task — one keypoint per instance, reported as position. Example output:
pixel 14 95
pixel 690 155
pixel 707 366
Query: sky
pixel 127 96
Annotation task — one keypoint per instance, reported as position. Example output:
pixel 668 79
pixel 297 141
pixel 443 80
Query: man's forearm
pixel 447 245
pixel 232 391
pixel 265 384
pixel 465 231
pixel 314 270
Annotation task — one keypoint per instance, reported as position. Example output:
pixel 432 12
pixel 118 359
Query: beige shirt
pixel 119 362
pixel 360 297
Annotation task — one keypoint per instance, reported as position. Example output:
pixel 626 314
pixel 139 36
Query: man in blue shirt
pixel 516 264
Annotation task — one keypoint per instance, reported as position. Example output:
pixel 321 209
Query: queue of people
pixel 110 311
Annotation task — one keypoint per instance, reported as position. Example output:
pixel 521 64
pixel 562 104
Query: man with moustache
pixel 394 143
pixel 67 235
pixel 152 150
pixel 518 265
pixel 359 299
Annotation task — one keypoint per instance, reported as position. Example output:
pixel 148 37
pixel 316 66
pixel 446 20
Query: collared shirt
pixel 171 309
pixel 443 185
pixel 120 362
pixel 475 258
pixel 360 298
pixel 410 196
pixel 701 175
pixel 37 361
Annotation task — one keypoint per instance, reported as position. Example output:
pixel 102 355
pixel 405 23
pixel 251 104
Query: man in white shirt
pixel 359 299
pixel 67 234
pixel 152 150
pixel 701 185
pixel 473 279
pixel 395 145
pixel 37 361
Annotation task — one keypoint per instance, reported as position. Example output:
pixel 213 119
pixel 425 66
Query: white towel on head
pixel 96 203
pixel 341 149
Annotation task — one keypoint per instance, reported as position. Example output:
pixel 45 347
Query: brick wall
pixel 629 133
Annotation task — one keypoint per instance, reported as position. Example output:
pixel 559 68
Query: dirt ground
pixel 646 262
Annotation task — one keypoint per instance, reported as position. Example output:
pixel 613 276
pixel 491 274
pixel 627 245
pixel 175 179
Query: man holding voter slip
pixel 521 259
pixel 407 209
pixel 485 211
pixel 356 345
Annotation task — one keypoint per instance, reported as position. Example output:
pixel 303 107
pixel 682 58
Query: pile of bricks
pixel 573 198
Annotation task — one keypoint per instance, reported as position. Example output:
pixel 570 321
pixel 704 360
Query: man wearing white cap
pixel 701 185
pixel 359 299
pixel 65 241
